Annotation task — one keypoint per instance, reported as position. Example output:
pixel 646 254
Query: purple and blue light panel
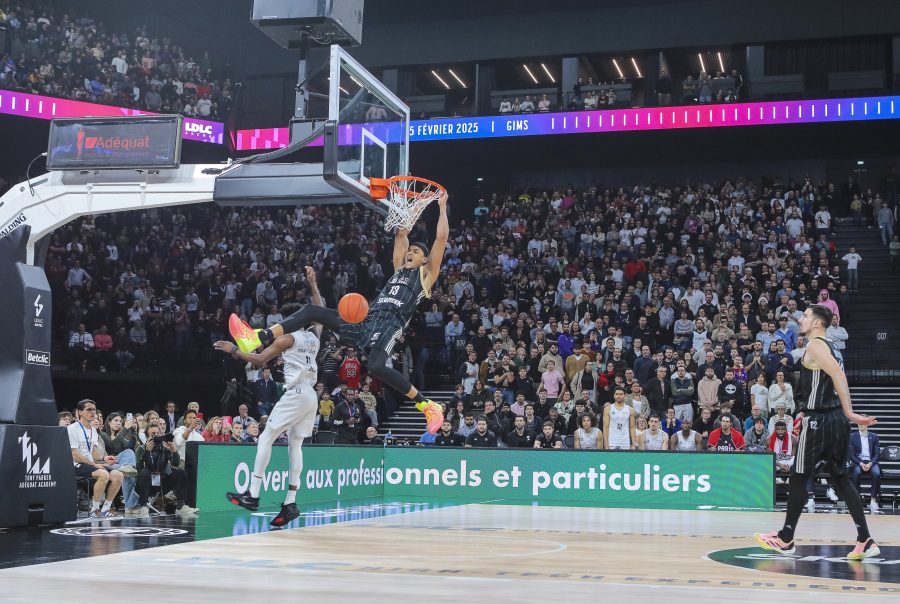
pixel 47 108
pixel 623 120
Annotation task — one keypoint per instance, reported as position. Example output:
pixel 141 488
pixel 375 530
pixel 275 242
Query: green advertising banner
pixel 329 474
pixel 635 479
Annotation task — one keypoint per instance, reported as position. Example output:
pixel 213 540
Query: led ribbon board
pixel 624 120
pixel 48 108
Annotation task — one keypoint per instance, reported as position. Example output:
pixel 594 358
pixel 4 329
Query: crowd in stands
pixel 51 48
pixel 685 296
pixel 721 88
pixel 591 95
pixel 123 450
pixel 527 105
pixel 138 454
pixel 704 89
pixel 683 301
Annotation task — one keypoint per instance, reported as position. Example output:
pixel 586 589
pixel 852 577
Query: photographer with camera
pixel 348 419
pixel 157 465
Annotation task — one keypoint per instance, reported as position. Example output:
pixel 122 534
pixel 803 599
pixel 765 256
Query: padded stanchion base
pixel 37 475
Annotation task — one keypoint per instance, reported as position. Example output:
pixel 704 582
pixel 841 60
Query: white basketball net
pixel 407 198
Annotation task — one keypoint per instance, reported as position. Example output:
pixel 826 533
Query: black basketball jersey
pixel 725 443
pixel 816 388
pixel 402 293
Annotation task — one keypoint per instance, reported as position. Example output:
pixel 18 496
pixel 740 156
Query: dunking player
pixel 415 272
pixel 825 435
pixel 295 411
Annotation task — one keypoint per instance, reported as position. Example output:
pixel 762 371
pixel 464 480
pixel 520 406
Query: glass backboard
pixel 371 127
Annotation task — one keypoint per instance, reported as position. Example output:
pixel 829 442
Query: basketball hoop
pixel 406 198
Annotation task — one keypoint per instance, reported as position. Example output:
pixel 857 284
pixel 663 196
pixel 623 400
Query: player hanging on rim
pixel 415 271
pixel 295 411
pixel 826 414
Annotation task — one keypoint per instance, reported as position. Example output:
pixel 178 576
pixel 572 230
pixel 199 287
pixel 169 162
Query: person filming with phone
pixel 157 467
pixel 190 431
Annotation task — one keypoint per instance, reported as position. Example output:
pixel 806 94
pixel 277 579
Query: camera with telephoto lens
pixel 161 438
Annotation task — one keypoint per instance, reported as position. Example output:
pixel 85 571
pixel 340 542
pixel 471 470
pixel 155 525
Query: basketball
pixel 353 308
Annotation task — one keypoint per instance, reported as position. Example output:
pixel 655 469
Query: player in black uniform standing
pixel 826 412
pixel 416 270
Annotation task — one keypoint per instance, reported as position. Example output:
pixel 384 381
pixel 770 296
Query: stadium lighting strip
pixel 636 68
pixel 624 120
pixel 549 75
pixel 47 108
pixel 440 79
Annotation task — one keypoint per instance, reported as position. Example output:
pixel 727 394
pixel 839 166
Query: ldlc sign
pixel 198 128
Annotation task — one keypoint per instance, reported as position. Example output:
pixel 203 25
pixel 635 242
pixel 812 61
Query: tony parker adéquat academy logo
pixel 819 561
pixel 37 471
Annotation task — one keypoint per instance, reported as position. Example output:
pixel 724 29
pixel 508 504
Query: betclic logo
pixel 37 357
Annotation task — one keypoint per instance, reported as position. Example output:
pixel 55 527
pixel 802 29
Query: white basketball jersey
pixel 619 435
pixel 653 443
pixel 686 444
pixel 300 360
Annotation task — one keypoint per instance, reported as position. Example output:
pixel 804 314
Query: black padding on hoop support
pixel 25 329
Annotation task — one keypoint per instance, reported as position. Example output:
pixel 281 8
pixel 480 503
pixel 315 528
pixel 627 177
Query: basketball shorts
pixel 295 411
pixel 824 436
pixel 377 332
pixel 83 470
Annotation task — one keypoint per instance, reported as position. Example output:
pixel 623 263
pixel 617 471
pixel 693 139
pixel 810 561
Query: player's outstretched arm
pixel 441 235
pixel 821 354
pixel 631 429
pixel 315 296
pixel 401 247
pixel 605 427
pixel 280 344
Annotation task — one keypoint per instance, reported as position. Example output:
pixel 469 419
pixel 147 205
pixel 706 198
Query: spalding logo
pixel 198 128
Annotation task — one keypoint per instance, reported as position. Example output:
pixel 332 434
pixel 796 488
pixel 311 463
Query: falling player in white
pixel 295 411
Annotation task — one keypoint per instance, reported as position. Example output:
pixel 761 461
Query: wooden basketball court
pixel 478 553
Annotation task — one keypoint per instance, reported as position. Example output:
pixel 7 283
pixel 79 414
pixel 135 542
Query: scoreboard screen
pixel 102 143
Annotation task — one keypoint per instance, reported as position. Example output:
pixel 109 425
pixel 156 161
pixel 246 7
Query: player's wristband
pixel 234 349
